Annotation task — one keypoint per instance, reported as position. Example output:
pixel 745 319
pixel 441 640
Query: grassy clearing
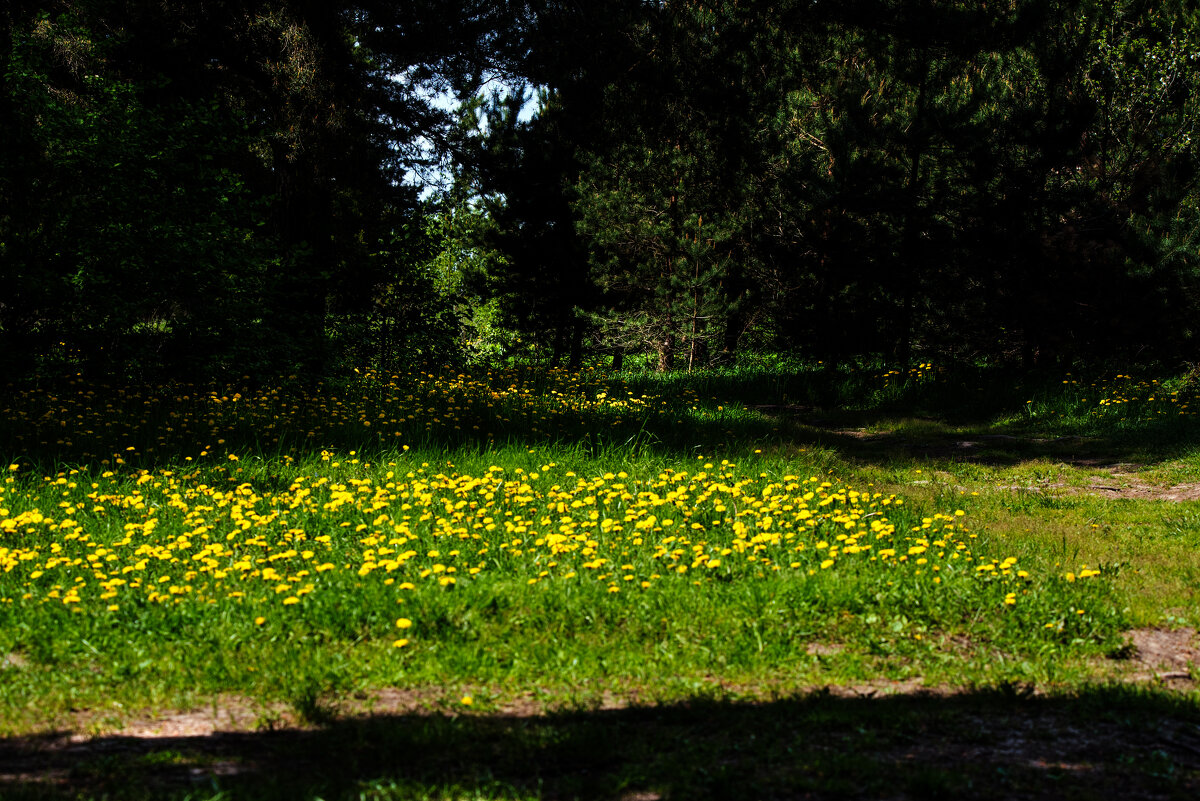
pixel 564 536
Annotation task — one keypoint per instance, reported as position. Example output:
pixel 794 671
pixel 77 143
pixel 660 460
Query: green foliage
pixel 216 191
pixel 464 273
pixel 896 178
pixel 538 265
pixel 226 190
pixel 134 241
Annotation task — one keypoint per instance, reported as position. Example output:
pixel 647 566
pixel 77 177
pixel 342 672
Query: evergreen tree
pixel 209 184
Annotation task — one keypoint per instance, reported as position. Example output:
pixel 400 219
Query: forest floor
pixel 968 713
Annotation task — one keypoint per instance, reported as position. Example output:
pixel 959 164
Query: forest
pixel 564 399
pixel 265 188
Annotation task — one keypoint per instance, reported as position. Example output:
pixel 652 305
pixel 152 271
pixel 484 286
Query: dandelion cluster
pixel 920 373
pixel 1127 398
pixel 165 537
pixel 268 534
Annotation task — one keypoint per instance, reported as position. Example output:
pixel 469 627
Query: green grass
pixel 550 536
pixel 531 615
pixel 994 744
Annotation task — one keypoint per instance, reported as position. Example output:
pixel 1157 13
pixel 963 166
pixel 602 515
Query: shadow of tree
pixel 1138 743
pixel 874 438
pixel 146 426
pixel 75 423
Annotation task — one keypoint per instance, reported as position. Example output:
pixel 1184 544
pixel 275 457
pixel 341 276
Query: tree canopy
pixel 226 187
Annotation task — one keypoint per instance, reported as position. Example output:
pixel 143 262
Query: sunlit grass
pixel 99 546
pixel 162 545
pixel 558 542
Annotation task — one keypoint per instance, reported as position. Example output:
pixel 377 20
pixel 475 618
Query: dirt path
pixel 1118 480
pixel 1121 483
pixel 909 741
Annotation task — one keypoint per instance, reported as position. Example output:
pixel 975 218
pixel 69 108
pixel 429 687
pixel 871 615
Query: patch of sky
pixel 430 171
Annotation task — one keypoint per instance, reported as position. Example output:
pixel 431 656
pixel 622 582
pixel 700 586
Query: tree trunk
pixel 666 353
pixel 575 360
pixel 297 311
pixel 909 247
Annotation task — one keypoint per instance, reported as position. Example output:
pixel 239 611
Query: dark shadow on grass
pixel 889 439
pixel 145 427
pixel 967 414
pixel 952 419
pixel 1138 743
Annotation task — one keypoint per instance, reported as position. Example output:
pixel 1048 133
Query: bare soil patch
pixel 1165 654
pixel 1129 486
pixel 227 713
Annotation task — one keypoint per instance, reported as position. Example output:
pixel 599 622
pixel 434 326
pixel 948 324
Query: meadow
pixel 424 559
